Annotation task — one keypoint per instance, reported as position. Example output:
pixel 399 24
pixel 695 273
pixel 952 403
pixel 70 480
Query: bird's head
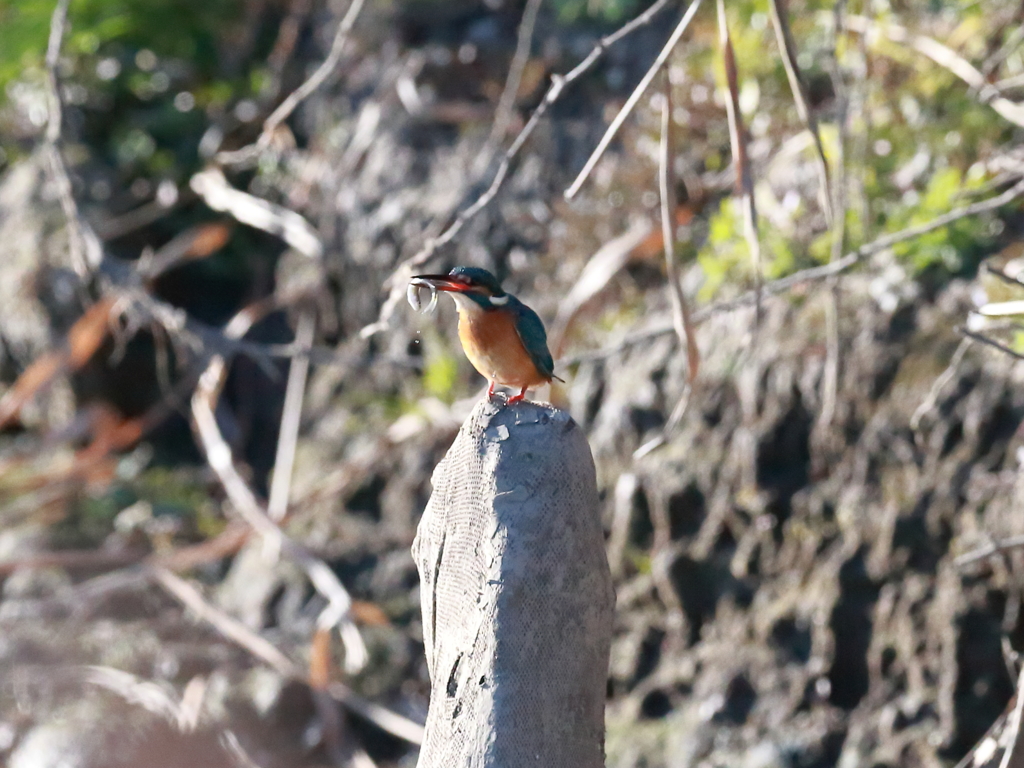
pixel 469 286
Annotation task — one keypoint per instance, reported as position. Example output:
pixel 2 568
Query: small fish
pixel 413 296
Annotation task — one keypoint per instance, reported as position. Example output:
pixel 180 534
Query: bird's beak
pixel 440 283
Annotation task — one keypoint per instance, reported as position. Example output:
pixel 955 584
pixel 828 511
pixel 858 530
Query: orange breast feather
pixel 494 348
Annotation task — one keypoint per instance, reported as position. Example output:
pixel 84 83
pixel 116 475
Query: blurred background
pixel 204 547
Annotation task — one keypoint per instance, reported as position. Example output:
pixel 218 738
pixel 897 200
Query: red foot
pixel 490 391
pixel 517 398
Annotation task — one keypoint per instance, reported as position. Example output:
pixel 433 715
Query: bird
pixel 503 338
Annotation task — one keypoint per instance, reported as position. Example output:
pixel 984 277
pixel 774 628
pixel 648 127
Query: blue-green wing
pixel 534 337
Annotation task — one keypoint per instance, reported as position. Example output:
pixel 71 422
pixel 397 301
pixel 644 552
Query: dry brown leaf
pixel 653 246
pixel 83 340
pixel 369 614
pixel 320 663
pixel 88 333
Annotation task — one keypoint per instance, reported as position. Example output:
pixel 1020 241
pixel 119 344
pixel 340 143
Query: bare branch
pixel 740 158
pixel 57 23
pixel 1013 308
pixel 213 187
pixel 228 626
pixel 666 184
pixel 300 94
pixel 780 20
pixel 945 57
pixel 815 274
pixel 838 196
pixel 204 340
pixel 1013 81
pixel 507 102
pixel 85 249
pixel 982 206
pixel 1013 40
pixel 600 268
pixel 1014 280
pixel 398 279
pixel 167 198
pixel 157 698
pixel 992 548
pixel 631 102
pixel 988 341
pixel 382 717
pixel 681 320
pixel 939 384
pixel 74 559
pixel 288 434
pixel 1014 755
pixel 240 634
pixel 245 503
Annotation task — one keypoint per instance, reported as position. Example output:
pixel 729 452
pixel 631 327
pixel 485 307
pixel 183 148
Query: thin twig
pixel 392 722
pixel 830 374
pixel 982 206
pixel 288 434
pixel 1014 755
pixel 995 740
pixel 992 548
pixel 288 36
pixel 74 559
pixel 230 627
pixel 239 633
pixel 400 276
pixel 815 274
pixel 211 185
pixel 224 544
pixel 949 59
pixel 57 23
pixel 939 384
pixel 229 743
pixel 245 503
pixel 83 245
pixel 740 157
pixel 606 262
pixel 300 94
pixel 507 102
pixel 988 341
pixel 1013 308
pixel 1015 281
pixel 666 184
pixel 159 699
pixel 1010 44
pixel 784 36
pixel 632 101
pixel 203 339
pixel 145 214
pixel 1014 81
pixel 681 320
pixel 156 698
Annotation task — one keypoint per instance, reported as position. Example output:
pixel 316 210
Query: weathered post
pixel 516 594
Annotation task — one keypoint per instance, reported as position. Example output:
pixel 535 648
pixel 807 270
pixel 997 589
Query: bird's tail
pixel 559 378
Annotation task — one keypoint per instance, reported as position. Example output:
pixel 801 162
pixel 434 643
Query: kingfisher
pixel 502 337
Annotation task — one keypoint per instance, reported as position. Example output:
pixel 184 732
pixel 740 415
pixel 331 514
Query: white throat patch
pixel 499 301
pixel 464 303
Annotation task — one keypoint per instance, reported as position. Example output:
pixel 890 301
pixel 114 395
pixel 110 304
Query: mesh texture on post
pixel 516 594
